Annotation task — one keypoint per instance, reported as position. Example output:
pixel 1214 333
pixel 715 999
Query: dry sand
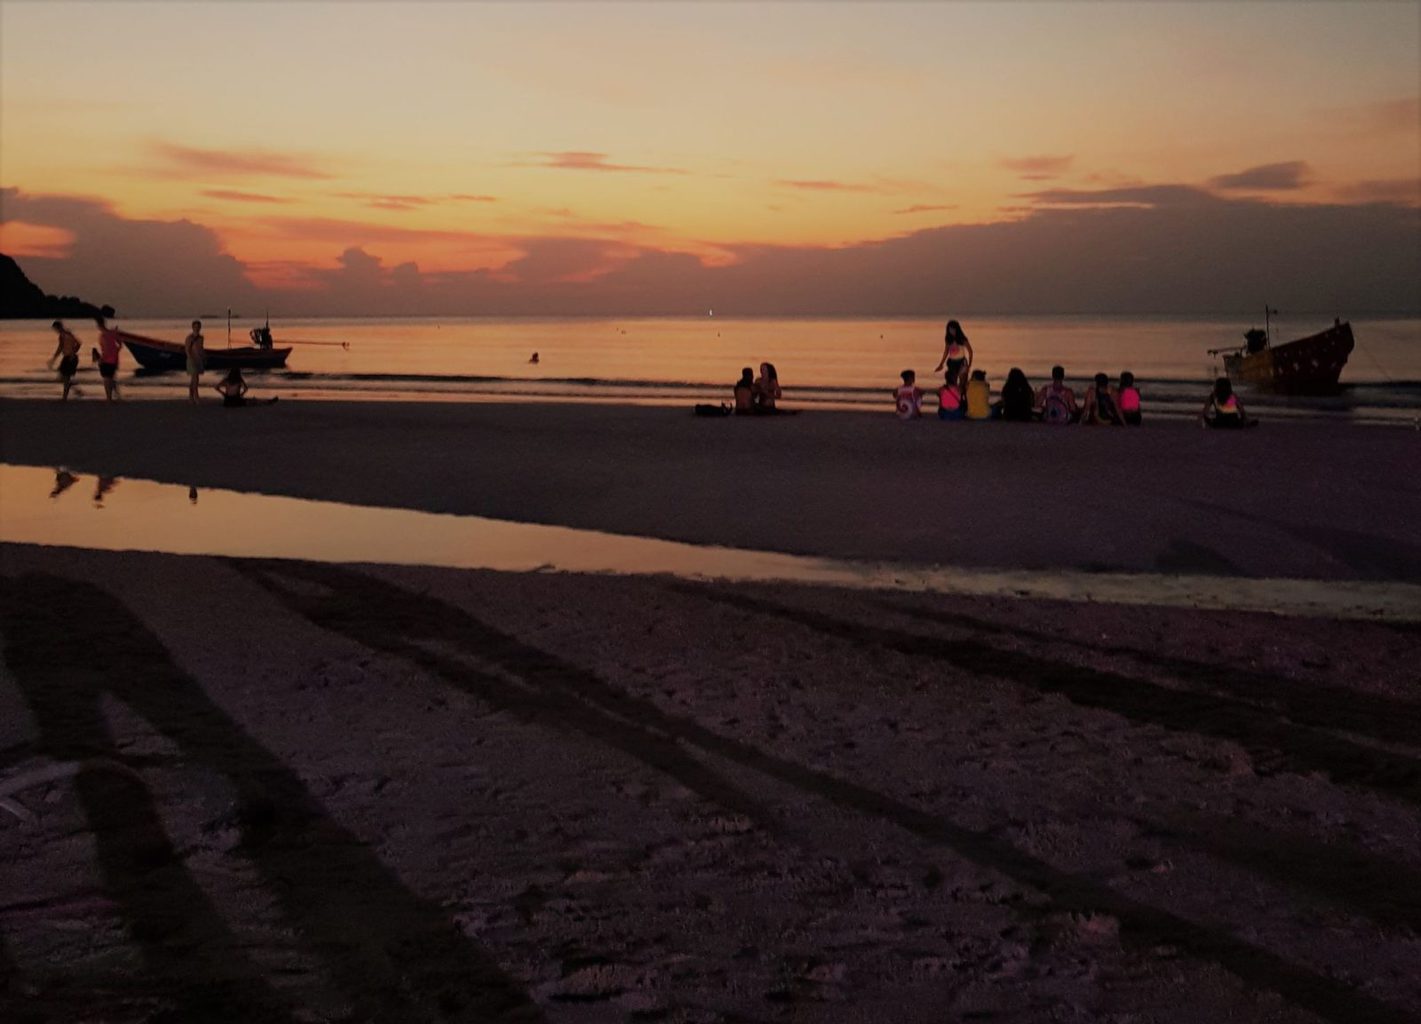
pixel 267 790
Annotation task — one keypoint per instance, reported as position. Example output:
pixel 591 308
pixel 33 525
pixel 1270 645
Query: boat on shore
pixel 1308 366
pixel 153 354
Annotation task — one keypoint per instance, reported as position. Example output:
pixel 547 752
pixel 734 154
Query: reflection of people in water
pixel 63 480
pixel 233 390
pixel 105 484
pixel 192 494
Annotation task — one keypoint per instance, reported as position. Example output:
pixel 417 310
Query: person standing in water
pixel 193 348
pixel 956 352
pixel 109 348
pixel 67 352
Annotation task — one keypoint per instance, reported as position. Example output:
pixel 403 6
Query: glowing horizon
pixel 537 146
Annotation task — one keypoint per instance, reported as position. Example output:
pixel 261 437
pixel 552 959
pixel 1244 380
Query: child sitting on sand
pixel 1055 402
pixel 1129 400
pixel 949 397
pixel 909 397
pixel 1100 404
pixel 979 396
pixel 744 391
pixel 233 390
pixel 1223 410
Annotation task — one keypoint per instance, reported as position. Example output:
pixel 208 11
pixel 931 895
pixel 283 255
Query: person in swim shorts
pixel 67 352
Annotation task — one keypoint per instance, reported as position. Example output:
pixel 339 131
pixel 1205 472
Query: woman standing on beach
pixel 956 352
pixel 109 348
pixel 193 347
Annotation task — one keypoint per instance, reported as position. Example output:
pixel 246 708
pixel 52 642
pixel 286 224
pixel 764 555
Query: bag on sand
pixel 713 410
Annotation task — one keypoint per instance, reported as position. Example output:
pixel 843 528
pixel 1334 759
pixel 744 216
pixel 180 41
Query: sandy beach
pixel 252 789
pixel 1303 500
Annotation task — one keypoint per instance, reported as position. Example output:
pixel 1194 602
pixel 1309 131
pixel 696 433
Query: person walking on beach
pixel 109 348
pixel 1057 403
pixel 956 352
pixel 67 352
pixel 193 349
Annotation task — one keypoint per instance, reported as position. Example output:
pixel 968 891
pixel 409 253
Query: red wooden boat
pixel 1308 366
pixel 153 354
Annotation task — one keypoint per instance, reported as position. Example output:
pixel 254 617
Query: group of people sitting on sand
pixel 1054 403
pixel 966 395
pixel 756 396
pixel 233 387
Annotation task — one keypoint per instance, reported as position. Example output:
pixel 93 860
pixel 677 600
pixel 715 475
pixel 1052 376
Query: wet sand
pixel 237 789
pixel 321 792
pixel 1308 501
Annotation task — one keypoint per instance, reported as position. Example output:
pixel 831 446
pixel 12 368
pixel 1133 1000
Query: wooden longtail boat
pixel 1308 366
pixel 153 354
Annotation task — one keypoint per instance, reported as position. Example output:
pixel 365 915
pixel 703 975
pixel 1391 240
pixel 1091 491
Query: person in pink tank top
pixel 109 348
pixel 1130 400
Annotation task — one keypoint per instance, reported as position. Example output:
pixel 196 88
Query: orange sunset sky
pixel 445 158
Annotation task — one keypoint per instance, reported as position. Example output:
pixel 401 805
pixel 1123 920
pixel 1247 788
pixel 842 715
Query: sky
pixel 460 158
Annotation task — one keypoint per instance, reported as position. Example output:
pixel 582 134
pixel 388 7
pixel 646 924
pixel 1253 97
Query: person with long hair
pixel 956 352
pixel 767 389
pixel 1223 410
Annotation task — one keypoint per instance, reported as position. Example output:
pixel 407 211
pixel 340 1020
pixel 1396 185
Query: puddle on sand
pixel 55 507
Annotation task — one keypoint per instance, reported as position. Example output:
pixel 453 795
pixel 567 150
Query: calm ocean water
pixel 836 363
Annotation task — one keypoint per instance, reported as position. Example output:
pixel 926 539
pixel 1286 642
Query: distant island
pixel 22 299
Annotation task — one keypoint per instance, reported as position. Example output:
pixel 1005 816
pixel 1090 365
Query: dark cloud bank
pixel 1150 249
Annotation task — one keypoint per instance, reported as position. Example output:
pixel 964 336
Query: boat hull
pixel 1308 366
pixel 152 354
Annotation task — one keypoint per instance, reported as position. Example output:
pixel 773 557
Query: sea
pixel 840 363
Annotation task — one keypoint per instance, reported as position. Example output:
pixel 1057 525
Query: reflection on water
pixel 102 488
pixel 149 516
pixel 63 480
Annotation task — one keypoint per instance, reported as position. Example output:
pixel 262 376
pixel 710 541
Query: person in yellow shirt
pixel 979 397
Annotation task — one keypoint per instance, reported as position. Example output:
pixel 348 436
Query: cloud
pixel 1165 248
pixel 242 197
pixel 1146 196
pixel 1395 190
pixel 137 266
pixel 379 201
pixel 1381 117
pixel 251 163
pixel 1281 177
pixel 577 160
pixel 926 208
pixel 1038 168
pixel 826 186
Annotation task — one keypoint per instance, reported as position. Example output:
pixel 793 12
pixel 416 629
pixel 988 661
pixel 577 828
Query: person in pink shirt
pixel 109 348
